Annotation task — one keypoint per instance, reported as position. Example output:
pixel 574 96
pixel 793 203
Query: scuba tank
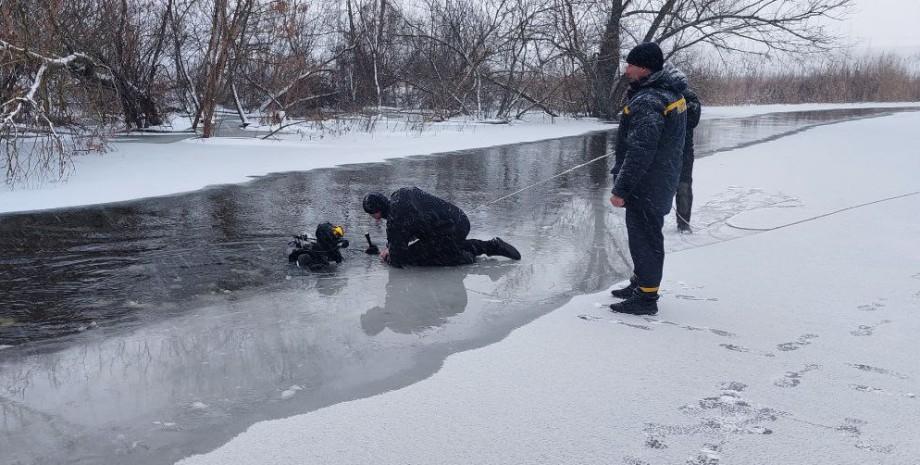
pixel 316 253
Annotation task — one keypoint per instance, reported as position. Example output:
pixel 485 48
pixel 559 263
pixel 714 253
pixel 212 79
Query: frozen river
pixel 145 331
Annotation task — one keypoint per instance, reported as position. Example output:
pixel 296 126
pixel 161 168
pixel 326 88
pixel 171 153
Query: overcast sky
pixel 884 25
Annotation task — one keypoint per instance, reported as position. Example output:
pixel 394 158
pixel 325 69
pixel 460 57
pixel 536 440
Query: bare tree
pixel 756 27
pixel 38 135
pixel 761 27
pixel 184 84
pixel 124 37
pixel 228 27
pixel 70 66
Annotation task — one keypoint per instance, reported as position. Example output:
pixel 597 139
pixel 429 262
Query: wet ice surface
pixel 159 328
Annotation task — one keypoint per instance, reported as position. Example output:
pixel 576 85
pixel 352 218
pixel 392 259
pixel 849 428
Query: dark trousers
pixel 448 250
pixel 646 245
pixel 684 197
pixel 684 201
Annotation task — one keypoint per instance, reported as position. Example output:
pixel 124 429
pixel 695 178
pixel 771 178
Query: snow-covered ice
pixel 741 111
pixel 795 345
pixel 290 392
pixel 137 170
pixel 139 167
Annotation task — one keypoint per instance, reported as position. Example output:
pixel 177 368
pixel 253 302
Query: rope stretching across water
pixel 813 218
pixel 544 181
pixel 727 222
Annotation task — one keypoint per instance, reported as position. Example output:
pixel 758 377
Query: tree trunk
pixel 227 30
pixel 364 90
pixel 607 65
pixel 620 84
pixel 239 106
pixel 381 15
pixel 208 101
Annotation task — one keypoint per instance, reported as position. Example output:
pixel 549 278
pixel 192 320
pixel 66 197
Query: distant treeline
pixel 879 78
pixel 74 72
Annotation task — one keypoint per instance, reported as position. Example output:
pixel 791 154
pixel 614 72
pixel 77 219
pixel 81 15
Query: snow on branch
pixel 31 141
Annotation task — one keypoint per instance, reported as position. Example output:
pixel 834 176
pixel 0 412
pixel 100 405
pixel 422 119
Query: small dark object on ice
pixel 316 253
pixel 371 248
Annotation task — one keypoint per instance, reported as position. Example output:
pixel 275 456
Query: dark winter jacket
pixel 416 214
pixel 694 111
pixel 650 141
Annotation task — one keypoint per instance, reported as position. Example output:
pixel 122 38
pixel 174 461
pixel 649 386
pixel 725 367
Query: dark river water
pixel 145 331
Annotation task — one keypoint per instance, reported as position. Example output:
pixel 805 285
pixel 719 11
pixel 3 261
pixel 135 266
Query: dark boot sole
pixel 615 308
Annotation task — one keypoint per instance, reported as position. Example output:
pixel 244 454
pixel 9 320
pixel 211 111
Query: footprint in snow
pixel 794 378
pixel 737 348
pixel 629 460
pixel 852 429
pixel 717 332
pixel 708 455
pixel 802 341
pixel 872 306
pixel 876 390
pixel 866 330
pixel 724 417
pixel 692 297
pixel 881 371
pixel 614 321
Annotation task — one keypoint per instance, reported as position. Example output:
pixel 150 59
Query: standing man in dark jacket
pixel 425 230
pixel 684 199
pixel 650 145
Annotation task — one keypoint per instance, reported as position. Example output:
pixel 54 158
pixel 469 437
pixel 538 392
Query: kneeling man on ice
pixel 425 230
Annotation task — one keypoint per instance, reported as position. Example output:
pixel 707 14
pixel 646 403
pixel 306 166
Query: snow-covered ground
pixel 742 111
pixel 135 170
pixel 792 346
pixel 143 167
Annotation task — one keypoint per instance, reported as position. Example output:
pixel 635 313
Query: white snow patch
pixel 198 405
pixel 743 111
pixel 289 392
pixel 90 325
pixel 167 425
pixel 138 170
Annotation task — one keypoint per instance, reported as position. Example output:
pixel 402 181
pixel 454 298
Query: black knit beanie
pixel 376 202
pixel 647 55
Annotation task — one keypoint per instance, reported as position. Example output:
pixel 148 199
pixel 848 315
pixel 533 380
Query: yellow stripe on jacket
pixel 680 106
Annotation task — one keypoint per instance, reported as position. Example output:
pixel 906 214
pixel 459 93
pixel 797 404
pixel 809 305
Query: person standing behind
pixel 684 198
pixel 649 148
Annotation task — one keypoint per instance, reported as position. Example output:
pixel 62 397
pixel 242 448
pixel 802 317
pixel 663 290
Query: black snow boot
pixel 497 246
pixel 627 291
pixel 640 303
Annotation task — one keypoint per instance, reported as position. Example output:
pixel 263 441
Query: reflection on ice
pixel 417 301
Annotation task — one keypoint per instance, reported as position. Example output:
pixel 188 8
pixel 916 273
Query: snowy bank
pixel 791 346
pixel 141 165
pixel 134 170
pixel 743 111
